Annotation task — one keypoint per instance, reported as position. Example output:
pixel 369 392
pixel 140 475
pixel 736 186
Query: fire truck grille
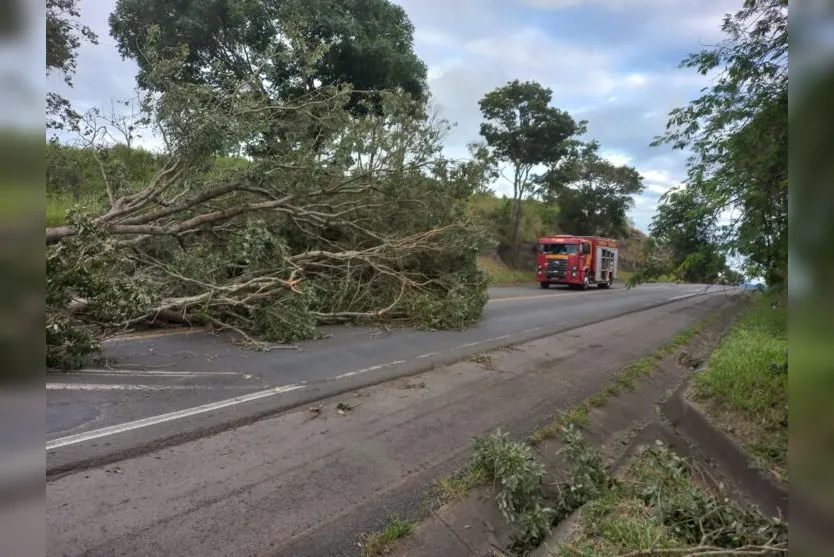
pixel 557 268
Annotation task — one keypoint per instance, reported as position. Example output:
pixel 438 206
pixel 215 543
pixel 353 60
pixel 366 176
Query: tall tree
pixel 64 34
pixel 738 132
pixel 365 43
pixel 593 194
pixel 523 131
pixel 684 228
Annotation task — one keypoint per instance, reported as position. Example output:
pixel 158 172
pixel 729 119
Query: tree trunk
pixel 516 224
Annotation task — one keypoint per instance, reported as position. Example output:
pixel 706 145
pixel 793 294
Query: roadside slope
pixel 307 483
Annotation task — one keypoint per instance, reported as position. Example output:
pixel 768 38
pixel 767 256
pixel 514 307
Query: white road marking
pixel 162 418
pixel 471 344
pixel 684 296
pixel 154 420
pixel 367 369
pixel 122 387
pixel 150 373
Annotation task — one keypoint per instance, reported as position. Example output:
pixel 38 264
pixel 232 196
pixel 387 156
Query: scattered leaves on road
pixel 484 359
pixel 315 411
pixel 343 408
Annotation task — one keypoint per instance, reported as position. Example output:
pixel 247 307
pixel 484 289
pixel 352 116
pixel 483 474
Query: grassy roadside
pixel 745 386
pixel 502 275
pixel 458 486
pixel 658 506
pixel 382 542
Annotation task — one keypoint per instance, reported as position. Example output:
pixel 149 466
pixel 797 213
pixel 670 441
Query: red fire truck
pixel 578 261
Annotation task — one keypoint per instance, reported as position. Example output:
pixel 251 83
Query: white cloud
pixel 556 5
pixel 636 79
pixel 618 159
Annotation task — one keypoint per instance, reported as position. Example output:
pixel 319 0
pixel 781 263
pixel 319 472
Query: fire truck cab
pixel 578 261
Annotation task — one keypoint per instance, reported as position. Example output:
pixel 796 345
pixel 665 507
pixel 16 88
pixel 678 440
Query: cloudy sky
pixel 611 62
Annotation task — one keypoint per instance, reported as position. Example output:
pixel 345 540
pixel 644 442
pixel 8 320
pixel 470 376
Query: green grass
pixel 745 385
pixel 58 205
pixel 381 543
pixel 483 359
pixel 577 416
pixel 656 505
pixel 457 487
pixel 502 275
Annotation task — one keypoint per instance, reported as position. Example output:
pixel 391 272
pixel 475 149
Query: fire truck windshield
pixel 558 249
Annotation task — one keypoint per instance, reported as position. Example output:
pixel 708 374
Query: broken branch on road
pixel 253 225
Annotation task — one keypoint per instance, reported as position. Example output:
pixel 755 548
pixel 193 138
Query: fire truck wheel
pixel 544 285
pixel 606 284
pixel 586 281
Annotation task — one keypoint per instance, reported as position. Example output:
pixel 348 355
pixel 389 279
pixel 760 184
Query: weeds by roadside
pixel 381 543
pixel 577 416
pixel 502 275
pixel 458 486
pixel 745 385
pixel 658 507
pixel 484 359
pixel 517 478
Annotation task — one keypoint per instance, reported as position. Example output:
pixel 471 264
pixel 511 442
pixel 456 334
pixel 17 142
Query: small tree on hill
pixel 523 131
pixel 594 195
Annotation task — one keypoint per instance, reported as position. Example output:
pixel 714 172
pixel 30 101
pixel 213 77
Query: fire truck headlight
pixel 573 271
pixel 538 267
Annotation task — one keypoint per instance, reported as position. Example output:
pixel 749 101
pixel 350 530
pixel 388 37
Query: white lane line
pixel 154 420
pixel 471 344
pixel 125 387
pixel 162 418
pixel 149 373
pixel 367 369
pixel 684 296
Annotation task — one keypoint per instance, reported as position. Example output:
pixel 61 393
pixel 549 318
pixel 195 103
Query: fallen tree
pixel 335 219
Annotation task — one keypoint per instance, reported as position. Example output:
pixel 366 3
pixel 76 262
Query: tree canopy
pixel 593 194
pixel 64 34
pixel 522 130
pixel 366 44
pixel 686 228
pixel 365 222
pixel 738 134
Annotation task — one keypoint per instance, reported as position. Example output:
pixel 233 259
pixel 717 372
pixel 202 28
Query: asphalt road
pixel 301 484
pixel 172 386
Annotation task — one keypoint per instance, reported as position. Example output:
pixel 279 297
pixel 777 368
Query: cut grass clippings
pixel 381 543
pixel 659 506
pixel 626 380
pixel 744 387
